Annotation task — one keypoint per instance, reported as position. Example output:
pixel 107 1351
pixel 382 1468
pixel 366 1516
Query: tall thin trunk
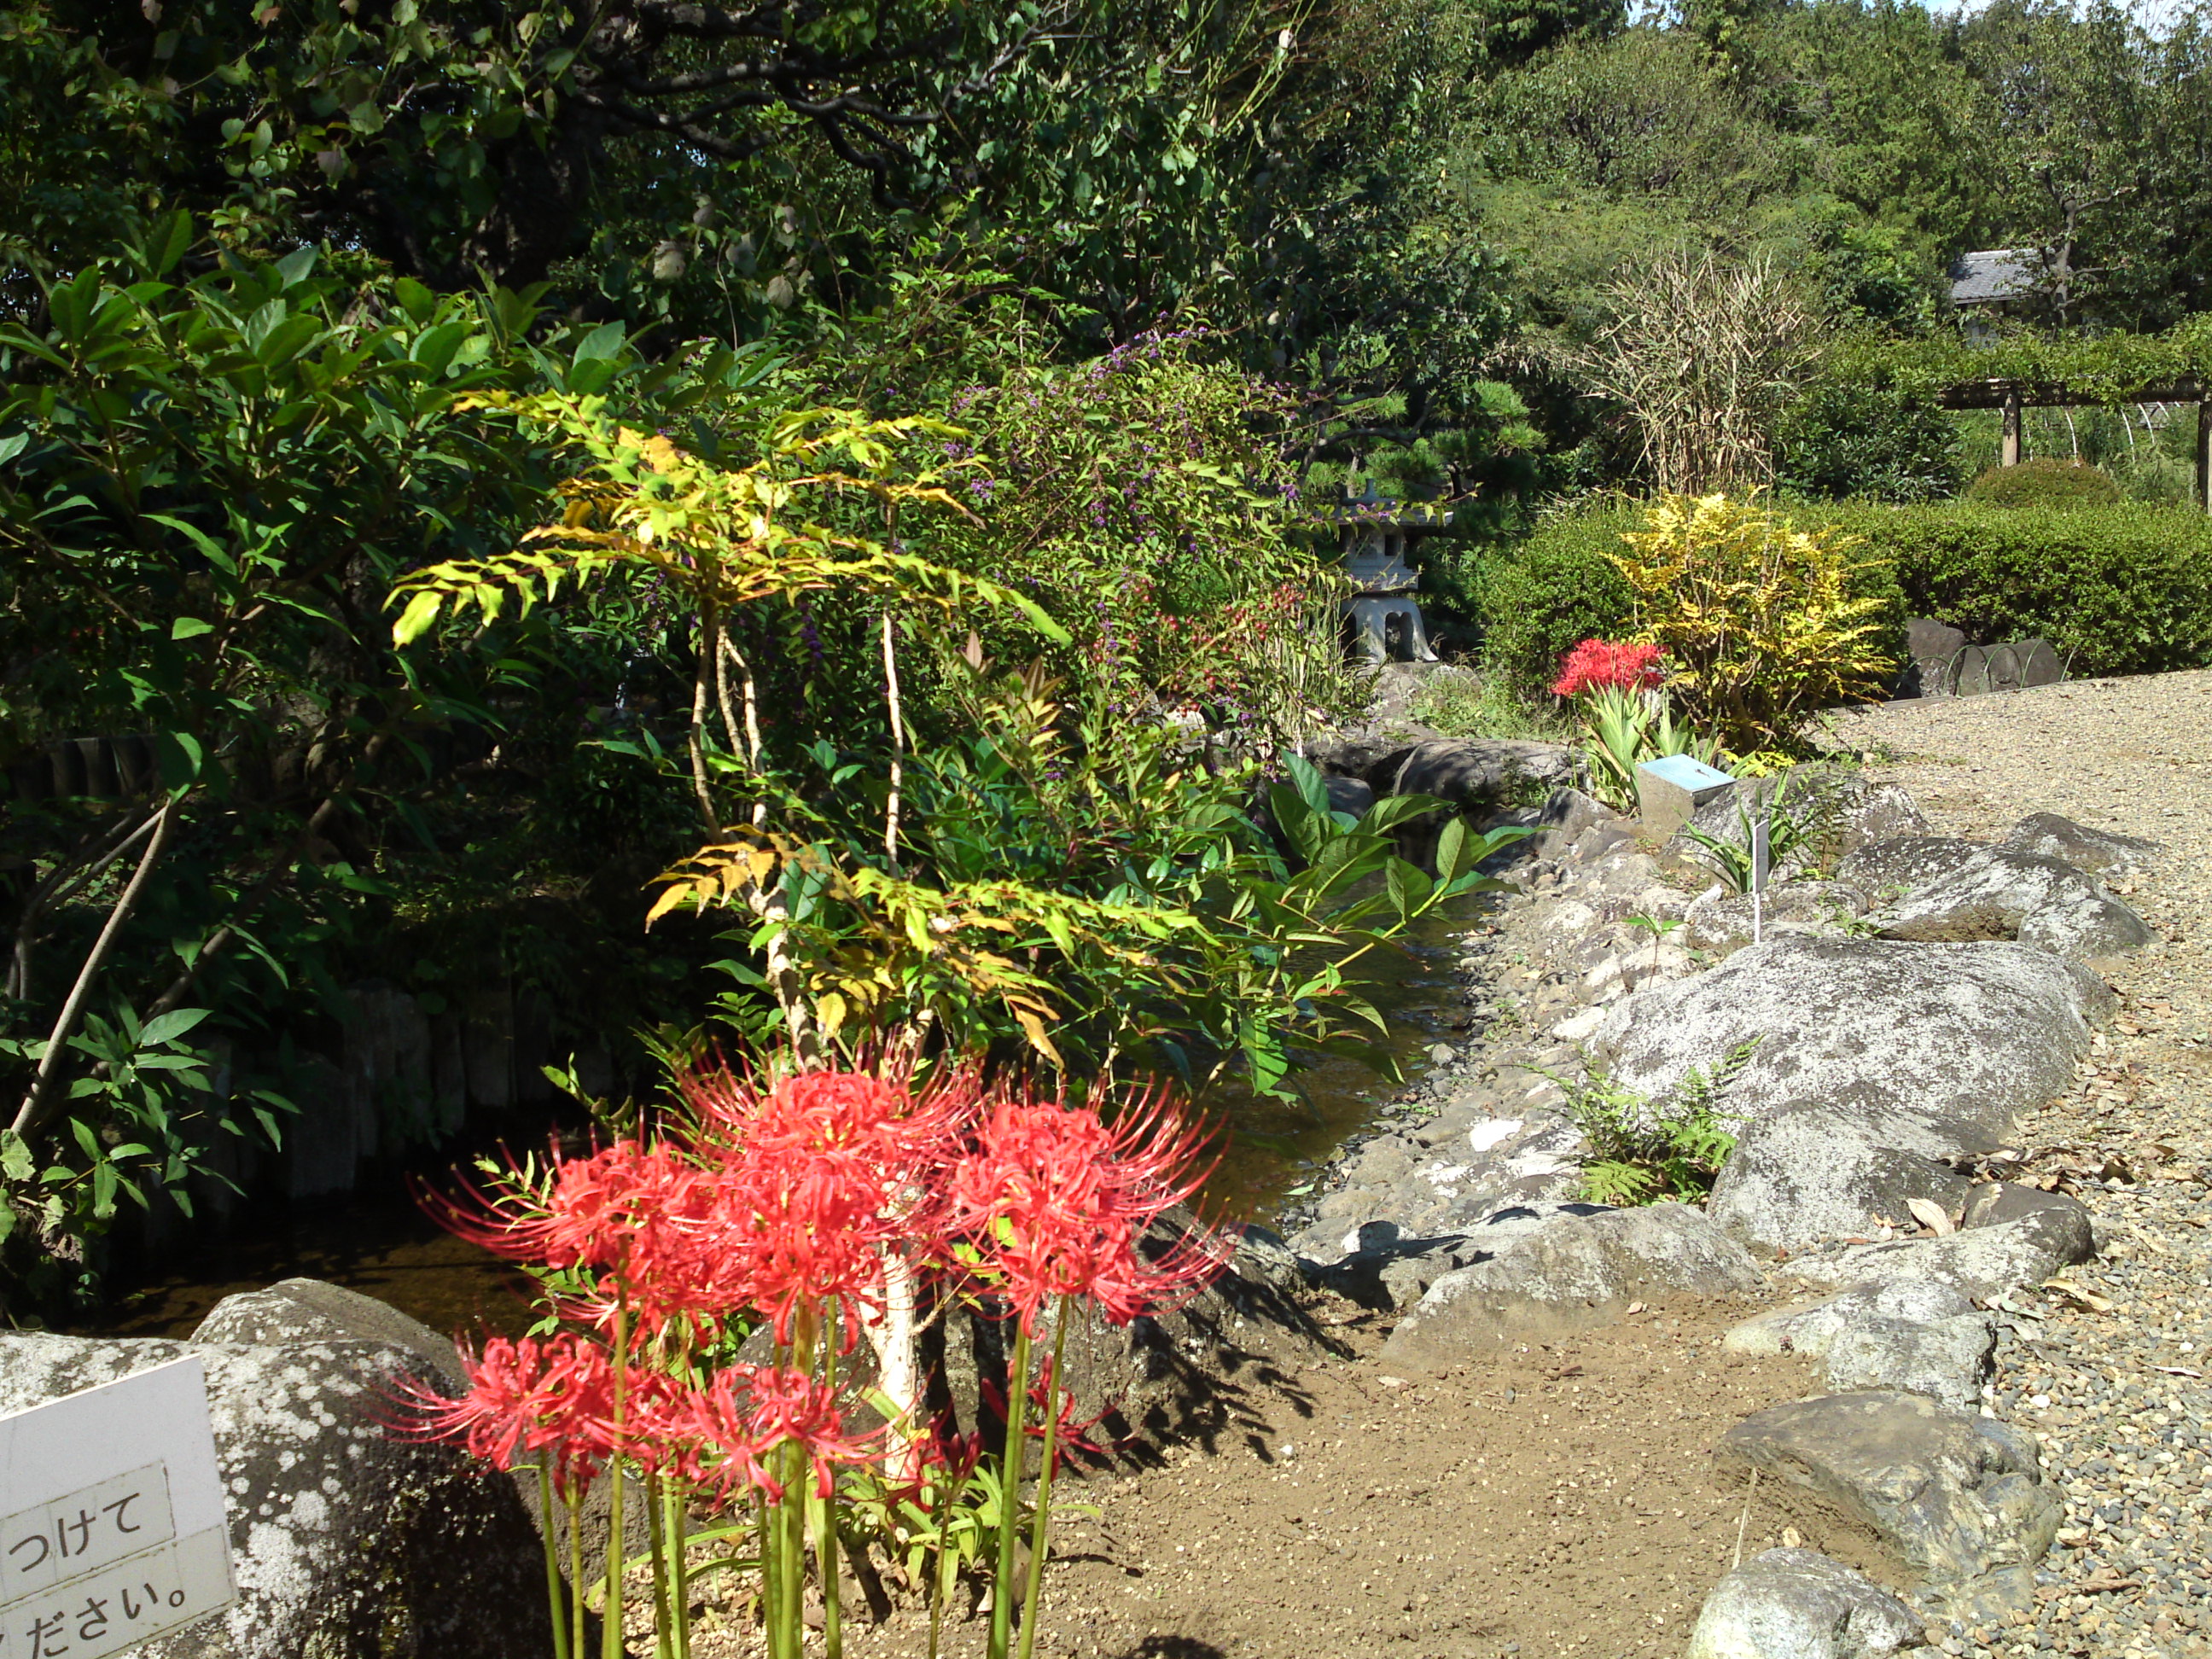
pixel 898 740
pixel 31 1114
pixel 701 683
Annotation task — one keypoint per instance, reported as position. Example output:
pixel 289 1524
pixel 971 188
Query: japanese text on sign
pixel 112 1524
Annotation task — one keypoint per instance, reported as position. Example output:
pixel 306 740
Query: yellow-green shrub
pixel 1761 622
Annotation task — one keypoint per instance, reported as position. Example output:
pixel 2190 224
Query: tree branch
pixel 31 1114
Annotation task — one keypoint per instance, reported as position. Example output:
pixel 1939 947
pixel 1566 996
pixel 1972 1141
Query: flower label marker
pixel 1670 790
pixel 113 1529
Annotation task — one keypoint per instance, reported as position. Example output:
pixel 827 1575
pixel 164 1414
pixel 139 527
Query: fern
pixel 1645 1152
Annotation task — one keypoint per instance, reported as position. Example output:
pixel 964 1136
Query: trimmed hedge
pixel 2046 481
pixel 2125 590
pixel 1541 598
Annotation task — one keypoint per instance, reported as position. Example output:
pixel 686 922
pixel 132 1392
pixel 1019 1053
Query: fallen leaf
pixel 2088 1299
pixel 1932 1215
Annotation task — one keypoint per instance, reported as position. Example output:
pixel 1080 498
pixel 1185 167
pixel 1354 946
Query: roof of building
pixel 1992 275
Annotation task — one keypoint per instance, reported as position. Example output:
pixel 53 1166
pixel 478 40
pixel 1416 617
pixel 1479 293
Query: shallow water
pixel 1275 1149
pixel 382 1246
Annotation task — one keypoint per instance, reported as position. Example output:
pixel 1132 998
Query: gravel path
pixel 2115 1375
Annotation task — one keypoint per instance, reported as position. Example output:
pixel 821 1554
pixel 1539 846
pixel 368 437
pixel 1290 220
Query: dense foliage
pixel 2126 589
pixel 1029 349
pixel 2045 481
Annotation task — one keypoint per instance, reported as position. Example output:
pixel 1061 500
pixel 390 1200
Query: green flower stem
pixel 656 1525
pixel 1042 1517
pixel 825 1525
pixel 611 1614
pixel 556 1602
pixel 1002 1596
pixel 677 1528
pixel 576 1631
pixel 793 1564
pixel 771 1578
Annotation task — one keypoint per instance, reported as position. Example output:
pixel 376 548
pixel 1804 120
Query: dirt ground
pixel 1557 1500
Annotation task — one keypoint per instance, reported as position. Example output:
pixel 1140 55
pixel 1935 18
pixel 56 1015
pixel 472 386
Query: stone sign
pixel 1670 789
pixel 112 1528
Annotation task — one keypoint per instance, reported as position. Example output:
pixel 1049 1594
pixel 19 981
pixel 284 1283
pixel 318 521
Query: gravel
pixel 2108 1365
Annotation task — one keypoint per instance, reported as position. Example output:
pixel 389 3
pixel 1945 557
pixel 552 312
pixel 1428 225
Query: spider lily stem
pixel 1002 1595
pixel 1043 1515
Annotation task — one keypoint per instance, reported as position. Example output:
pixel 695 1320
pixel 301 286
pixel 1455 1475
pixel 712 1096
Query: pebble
pixel 2117 1395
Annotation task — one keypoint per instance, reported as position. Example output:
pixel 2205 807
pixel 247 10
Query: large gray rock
pixel 1946 1359
pixel 2062 1220
pixel 1823 1169
pixel 1982 1261
pixel 1971 1032
pixel 1429 1188
pixel 1811 1329
pixel 1349 795
pixel 1724 921
pixel 1569 1274
pixel 1799 1604
pixel 1473 772
pixel 1886 870
pixel 294 1310
pixel 347 1543
pixel 1837 810
pixel 2002 895
pixel 2100 852
pixel 1957 1501
pixel 1390 1268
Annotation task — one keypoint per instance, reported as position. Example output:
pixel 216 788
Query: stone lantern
pixel 1385 616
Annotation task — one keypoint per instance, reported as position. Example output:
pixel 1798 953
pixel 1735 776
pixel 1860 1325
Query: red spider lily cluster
pixel 1610 665
pixel 821 1207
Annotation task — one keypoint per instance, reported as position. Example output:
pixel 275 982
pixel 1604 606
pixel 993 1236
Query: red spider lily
pixel 820 1175
pixel 637 1214
pixel 1057 1201
pixel 1596 664
pixel 1072 1436
pixel 584 1214
pixel 525 1397
pixel 728 1431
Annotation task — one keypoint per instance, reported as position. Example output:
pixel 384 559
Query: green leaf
pixel 602 342
pixel 416 620
pixel 294 266
pixel 190 628
pixel 181 758
pixel 1312 787
pixel 1451 849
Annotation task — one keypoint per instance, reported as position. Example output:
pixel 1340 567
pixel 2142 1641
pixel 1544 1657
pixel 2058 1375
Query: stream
pixel 382 1246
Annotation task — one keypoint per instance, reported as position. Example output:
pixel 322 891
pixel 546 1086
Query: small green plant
pixel 1623 729
pixel 1647 1151
pixel 1658 927
pixel 1786 832
pixel 1467 705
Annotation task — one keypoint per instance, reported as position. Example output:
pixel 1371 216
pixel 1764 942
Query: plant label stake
pixel 112 1526
pixel 1758 857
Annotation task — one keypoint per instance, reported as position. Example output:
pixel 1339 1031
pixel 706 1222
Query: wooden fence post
pixel 2204 455
pixel 2010 455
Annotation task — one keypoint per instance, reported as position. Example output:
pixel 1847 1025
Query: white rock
pixel 1579 1028
pixel 1492 1132
pixel 1797 1604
